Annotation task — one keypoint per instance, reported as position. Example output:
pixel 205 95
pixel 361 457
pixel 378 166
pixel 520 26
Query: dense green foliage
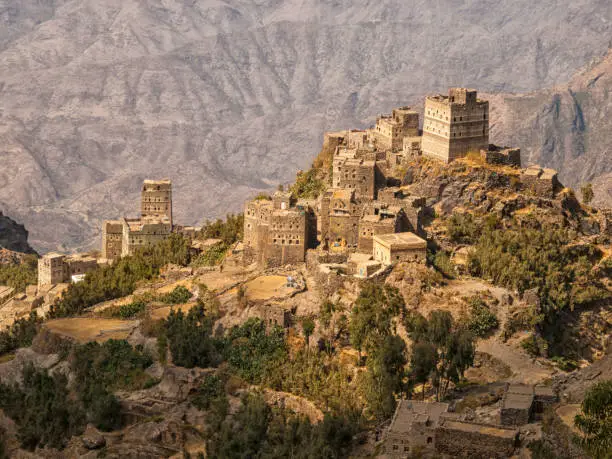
pixel 179 295
pixel 308 185
pixel 443 349
pixel 120 279
pixel 212 256
pixel 252 353
pixel 190 338
pixel 372 329
pixel 19 334
pixel 259 431
pixel 229 231
pixel 595 420
pixel 481 321
pixel 130 310
pixel 21 275
pixel 541 257
pixel 101 369
pixel 44 412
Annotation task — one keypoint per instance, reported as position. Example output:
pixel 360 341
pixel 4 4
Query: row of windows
pixel 286 241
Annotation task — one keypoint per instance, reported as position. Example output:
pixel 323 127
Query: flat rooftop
pixel 410 411
pixel 405 240
pixel 155 182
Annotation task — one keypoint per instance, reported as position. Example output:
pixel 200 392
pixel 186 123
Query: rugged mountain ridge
pixel 226 98
pixel 566 127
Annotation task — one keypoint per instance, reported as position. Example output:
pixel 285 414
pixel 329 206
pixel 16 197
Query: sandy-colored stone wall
pixel 156 199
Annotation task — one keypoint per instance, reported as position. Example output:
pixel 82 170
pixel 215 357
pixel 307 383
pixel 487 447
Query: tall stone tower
pixel 455 125
pixel 156 199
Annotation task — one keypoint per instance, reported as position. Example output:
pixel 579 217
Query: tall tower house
pixel 156 201
pixel 455 125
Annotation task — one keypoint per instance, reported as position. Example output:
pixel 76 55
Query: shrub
pixel 253 353
pixel 110 282
pixel 211 257
pixel 442 262
pixel 20 333
pixel 19 276
pixel 179 295
pixel 130 310
pixel 481 321
pixel 229 231
pixel 308 185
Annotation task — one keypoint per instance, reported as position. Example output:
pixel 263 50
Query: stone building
pixel 399 247
pixel 455 125
pixel 277 231
pixel 112 239
pixel 339 214
pixel 124 236
pixel 390 130
pixel 383 220
pixel 143 232
pixel 355 174
pixel 156 199
pixel 413 427
pixel 55 268
pixel 521 404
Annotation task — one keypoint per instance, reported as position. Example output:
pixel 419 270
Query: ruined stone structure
pixel 504 156
pixel 542 182
pixel 390 130
pixel 55 268
pixel 470 440
pixel 156 200
pixel 455 125
pixel 399 247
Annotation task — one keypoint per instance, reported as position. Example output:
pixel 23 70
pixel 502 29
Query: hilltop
pixel 295 328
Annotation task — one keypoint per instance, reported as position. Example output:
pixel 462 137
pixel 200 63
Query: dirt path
pixel 524 369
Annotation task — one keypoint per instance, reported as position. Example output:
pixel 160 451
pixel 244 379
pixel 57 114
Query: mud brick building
pixel 455 125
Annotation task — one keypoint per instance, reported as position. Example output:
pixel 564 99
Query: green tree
pixel 595 420
pixel 190 338
pixel 20 275
pixel 44 412
pixel 308 326
pixel 452 347
pixel 20 333
pixel 372 315
pixel 422 363
pixel 587 193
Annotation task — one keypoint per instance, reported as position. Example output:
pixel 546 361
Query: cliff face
pixel 230 97
pixel 13 236
pixel 567 127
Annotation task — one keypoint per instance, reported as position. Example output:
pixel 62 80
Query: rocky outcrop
pixel 13 238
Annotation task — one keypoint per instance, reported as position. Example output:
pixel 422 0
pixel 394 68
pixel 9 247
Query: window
pixel 429 440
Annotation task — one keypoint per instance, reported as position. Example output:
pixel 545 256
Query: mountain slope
pixel 229 97
pixel 567 127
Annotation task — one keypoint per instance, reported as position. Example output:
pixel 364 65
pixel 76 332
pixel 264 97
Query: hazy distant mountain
pixel 228 97
pixel 568 127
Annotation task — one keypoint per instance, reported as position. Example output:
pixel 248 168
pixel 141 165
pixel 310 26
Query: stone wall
pixel 461 439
